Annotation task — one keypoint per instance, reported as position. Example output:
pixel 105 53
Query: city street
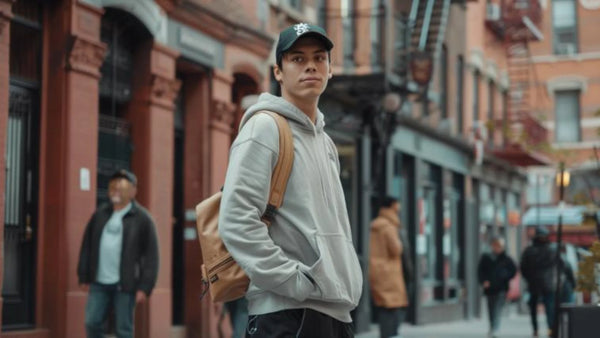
pixel 513 326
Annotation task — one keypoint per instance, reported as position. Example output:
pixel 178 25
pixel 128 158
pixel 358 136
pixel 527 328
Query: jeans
pixel 389 320
pixel 495 304
pixel 100 299
pixel 548 300
pixel 299 323
pixel 238 312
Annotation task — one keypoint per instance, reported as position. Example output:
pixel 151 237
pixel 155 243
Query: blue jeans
pixel 548 300
pixel 238 311
pixel 100 300
pixel 495 304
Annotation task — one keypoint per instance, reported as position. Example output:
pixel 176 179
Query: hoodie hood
pixel 279 105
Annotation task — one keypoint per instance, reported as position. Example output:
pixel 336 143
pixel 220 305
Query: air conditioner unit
pixel 493 12
pixel 566 48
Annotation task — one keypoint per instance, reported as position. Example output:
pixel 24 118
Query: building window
pixel 564 24
pixel 460 91
pixel 346 12
pixel 295 4
pixel 491 114
pixel 377 20
pixel 444 81
pixel 505 122
pixel 567 116
pixel 476 77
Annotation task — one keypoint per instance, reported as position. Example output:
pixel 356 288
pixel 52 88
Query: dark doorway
pixel 21 153
pixel 178 215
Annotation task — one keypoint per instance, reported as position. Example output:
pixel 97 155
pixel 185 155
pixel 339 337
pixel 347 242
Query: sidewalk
pixel 513 326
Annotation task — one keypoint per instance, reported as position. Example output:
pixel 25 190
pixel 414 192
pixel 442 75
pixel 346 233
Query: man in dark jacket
pixel 118 260
pixel 495 271
pixel 538 266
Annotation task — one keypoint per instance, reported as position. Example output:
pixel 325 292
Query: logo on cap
pixel 301 28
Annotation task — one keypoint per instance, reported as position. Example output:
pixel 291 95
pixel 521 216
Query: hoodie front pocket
pixel 337 272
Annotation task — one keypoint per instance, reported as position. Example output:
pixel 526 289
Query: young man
pixel 304 273
pixel 495 271
pixel 390 269
pixel 118 259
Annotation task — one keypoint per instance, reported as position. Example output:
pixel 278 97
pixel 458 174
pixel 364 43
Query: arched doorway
pixel 123 34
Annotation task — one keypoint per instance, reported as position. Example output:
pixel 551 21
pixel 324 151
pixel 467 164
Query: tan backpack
pixel 221 275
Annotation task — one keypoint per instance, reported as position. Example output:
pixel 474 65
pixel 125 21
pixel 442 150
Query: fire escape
pixel 515 22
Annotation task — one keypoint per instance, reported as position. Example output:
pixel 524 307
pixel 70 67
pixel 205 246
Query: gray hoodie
pixel 310 237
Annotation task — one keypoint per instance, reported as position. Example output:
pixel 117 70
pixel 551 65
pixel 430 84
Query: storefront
pixel 97 85
pixel 447 213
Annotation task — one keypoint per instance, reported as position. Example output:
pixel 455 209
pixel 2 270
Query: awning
pixel 572 215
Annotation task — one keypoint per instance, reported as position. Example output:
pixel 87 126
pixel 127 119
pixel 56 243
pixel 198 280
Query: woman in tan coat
pixel 386 270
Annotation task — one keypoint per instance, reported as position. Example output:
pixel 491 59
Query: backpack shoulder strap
pixel 283 167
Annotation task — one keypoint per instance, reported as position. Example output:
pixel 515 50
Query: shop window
pixel 564 26
pixel 567 116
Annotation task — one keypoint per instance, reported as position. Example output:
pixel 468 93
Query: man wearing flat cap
pixel 118 260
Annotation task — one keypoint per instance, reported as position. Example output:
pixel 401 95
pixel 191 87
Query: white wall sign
pixel 590 4
pixel 84 179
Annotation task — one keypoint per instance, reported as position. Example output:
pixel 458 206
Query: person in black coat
pixel 495 271
pixel 118 260
pixel 538 267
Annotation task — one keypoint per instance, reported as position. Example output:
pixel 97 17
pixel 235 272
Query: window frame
pixel 578 116
pixel 556 43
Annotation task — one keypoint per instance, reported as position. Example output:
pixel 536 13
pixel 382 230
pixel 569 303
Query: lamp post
pixel 562 180
pixel 385 124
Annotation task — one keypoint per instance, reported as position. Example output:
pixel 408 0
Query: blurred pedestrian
pixel 495 271
pixel 538 267
pixel 118 261
pixel 390 269
pixel 305 277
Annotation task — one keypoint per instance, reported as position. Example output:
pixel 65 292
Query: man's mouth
pixel 311 79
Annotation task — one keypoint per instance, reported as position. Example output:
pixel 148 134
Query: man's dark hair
pixel 387 201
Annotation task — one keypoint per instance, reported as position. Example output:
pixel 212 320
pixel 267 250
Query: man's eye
pixel 321 58
pixel 297 59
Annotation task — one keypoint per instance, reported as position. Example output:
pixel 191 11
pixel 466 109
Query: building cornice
pixel 222 28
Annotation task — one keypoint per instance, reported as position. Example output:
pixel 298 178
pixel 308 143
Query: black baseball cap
pixel 128 175
pixel 290 35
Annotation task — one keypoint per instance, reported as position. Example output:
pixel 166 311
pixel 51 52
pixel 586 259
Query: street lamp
pixel 562 180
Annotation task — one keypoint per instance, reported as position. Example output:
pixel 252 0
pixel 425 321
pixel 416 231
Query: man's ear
pixel 277 73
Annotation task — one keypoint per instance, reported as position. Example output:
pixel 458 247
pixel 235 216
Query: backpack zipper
pixel 220 264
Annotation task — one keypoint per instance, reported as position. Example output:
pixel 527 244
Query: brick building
pixel 155 86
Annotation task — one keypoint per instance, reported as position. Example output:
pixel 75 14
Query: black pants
pixel 389 321
pixel 297 323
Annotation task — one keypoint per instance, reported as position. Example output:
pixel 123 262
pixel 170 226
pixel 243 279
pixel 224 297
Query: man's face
pixel 305 69
pixel 497 247
pixel 121 191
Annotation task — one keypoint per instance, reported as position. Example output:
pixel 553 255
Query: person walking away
pixel 495 270
pixel 388 269
pixel 304 273
pixel 538 267
pixel 118 260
